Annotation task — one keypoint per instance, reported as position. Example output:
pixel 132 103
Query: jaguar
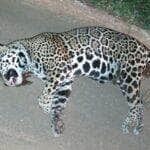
pixel 100 53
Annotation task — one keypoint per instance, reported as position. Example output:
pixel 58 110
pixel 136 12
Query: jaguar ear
pixel 1 46
pixel 3 50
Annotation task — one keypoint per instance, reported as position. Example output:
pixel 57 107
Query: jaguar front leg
pixel 53 100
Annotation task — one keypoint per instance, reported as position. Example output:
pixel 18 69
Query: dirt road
pixel 95 111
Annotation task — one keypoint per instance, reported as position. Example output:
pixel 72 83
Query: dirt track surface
pixel 94 113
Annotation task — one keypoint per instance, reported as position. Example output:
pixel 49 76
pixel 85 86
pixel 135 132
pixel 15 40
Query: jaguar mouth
pixel 25 81
pixel 13 81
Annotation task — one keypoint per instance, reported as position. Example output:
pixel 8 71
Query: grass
pixel 134 11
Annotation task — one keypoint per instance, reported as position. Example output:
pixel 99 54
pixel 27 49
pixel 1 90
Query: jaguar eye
pixel 20 64
pixel 21 54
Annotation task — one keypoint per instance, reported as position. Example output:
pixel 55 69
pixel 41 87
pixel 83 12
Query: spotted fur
pixel 96 52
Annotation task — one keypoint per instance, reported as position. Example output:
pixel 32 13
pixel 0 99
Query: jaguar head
pixel 14 61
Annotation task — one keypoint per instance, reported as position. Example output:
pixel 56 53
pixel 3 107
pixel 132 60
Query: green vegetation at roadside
pixel 134 11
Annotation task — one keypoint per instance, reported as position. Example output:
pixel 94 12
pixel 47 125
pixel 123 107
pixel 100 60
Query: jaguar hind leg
pixel 130 86
pixel 134 120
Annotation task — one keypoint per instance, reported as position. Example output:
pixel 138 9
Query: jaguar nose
pixel 11 73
